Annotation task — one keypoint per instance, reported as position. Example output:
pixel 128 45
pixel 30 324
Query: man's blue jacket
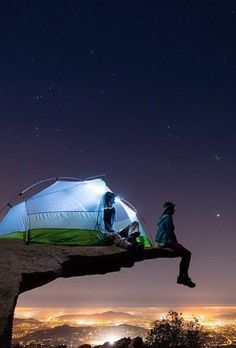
pixel 165 230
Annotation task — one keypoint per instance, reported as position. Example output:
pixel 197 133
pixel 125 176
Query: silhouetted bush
pixel 173 331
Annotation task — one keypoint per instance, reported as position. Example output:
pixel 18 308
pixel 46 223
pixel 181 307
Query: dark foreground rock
pixel 25 267
pixel 125 342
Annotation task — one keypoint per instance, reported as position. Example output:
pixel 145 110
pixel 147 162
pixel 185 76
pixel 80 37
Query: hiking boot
pixel 110 230
pixel 186 281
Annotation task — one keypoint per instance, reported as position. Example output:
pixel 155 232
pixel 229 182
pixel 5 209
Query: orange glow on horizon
pixel 212 316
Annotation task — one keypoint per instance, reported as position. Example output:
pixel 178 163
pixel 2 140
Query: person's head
pixel 109 198
pixel 169 208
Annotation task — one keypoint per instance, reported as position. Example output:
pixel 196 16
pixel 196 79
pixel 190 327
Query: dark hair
pixel 168 205
pixel 109 198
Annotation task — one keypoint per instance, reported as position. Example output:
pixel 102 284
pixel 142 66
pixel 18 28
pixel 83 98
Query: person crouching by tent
pixel 166 238
pixel 126 238
pixel 109 211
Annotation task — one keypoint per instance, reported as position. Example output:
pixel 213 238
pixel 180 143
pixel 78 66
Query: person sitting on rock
pixel 126 238
pixel 166 238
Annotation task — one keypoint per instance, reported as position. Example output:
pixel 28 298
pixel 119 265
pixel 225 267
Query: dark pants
pixel 128 230
pixel 185 255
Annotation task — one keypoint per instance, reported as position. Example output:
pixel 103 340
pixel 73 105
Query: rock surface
pixel 25 267
pixel 125 342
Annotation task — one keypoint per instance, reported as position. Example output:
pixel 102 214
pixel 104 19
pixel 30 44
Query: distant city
pixel 74 330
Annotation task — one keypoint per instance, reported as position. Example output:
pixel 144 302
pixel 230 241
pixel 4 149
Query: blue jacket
pixel 165 230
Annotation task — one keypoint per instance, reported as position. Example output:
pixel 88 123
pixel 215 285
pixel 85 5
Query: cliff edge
pixel 25 267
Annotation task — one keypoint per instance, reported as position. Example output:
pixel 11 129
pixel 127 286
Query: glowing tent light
pixel 97 187
pixel 67 213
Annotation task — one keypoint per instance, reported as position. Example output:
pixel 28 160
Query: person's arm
pixel 170 229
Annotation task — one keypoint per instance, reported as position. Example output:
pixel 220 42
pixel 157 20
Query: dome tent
pixel 67 212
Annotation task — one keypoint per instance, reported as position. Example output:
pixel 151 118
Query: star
pixel 37 128
pixel 37 97
pixel 216 157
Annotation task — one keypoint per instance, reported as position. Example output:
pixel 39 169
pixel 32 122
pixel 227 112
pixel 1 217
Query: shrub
pixel 172 331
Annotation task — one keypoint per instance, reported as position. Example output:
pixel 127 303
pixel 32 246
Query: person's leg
pixel 124 233
pixel 130 229
pixel 129 235
pixel 114 238
pixel 121 242
pixel 133 227
pixel 185 255
pixel 184 263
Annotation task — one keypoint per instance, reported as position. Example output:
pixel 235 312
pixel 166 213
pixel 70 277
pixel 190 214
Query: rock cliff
pixel 25 267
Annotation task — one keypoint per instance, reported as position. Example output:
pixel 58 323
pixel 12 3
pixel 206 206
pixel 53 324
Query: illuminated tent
pixel 68 213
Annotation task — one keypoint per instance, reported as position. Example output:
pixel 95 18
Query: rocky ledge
pixel 24 267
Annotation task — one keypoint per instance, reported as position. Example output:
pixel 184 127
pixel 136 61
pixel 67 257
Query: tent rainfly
pixel 67 213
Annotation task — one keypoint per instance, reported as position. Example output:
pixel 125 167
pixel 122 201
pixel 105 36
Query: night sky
pixel 143 91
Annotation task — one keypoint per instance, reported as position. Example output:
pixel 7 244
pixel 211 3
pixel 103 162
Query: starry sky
pixel 143 91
